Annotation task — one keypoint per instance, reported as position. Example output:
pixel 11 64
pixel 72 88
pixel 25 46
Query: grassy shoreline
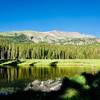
pixel 52 62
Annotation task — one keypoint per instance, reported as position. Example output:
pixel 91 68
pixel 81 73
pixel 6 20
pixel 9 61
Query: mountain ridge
pixel 54 36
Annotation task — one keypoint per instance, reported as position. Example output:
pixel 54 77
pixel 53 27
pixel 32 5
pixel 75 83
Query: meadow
pixel 93 63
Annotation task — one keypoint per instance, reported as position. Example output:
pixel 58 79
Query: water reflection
pixel 41 73
pixel 16 79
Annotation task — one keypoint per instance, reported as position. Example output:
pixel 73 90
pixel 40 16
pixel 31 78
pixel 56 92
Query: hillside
pixel 57 37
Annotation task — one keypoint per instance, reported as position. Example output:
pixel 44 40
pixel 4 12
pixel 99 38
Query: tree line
pixel 29 50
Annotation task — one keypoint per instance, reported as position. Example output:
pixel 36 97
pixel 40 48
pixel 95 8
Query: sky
pixel 46 15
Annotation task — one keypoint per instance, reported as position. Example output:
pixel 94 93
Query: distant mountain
pixel 54 36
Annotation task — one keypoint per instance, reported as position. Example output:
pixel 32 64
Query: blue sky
pixel 45 15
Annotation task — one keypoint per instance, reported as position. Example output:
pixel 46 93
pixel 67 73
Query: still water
pixel 11 74
pixel 13 79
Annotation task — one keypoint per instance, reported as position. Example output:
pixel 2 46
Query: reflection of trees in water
pixel 41 73
pixel 86 88
pixel 70 90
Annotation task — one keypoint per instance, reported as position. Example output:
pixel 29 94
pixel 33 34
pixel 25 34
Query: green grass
pixel 71 94
pixel 59 63
pixel 79 79
pixel 6 63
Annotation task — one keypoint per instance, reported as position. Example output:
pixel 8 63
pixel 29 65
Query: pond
pixel 14 79
pixel 41 73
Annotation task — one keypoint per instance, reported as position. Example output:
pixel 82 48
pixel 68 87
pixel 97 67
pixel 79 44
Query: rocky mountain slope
pixel 57 37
